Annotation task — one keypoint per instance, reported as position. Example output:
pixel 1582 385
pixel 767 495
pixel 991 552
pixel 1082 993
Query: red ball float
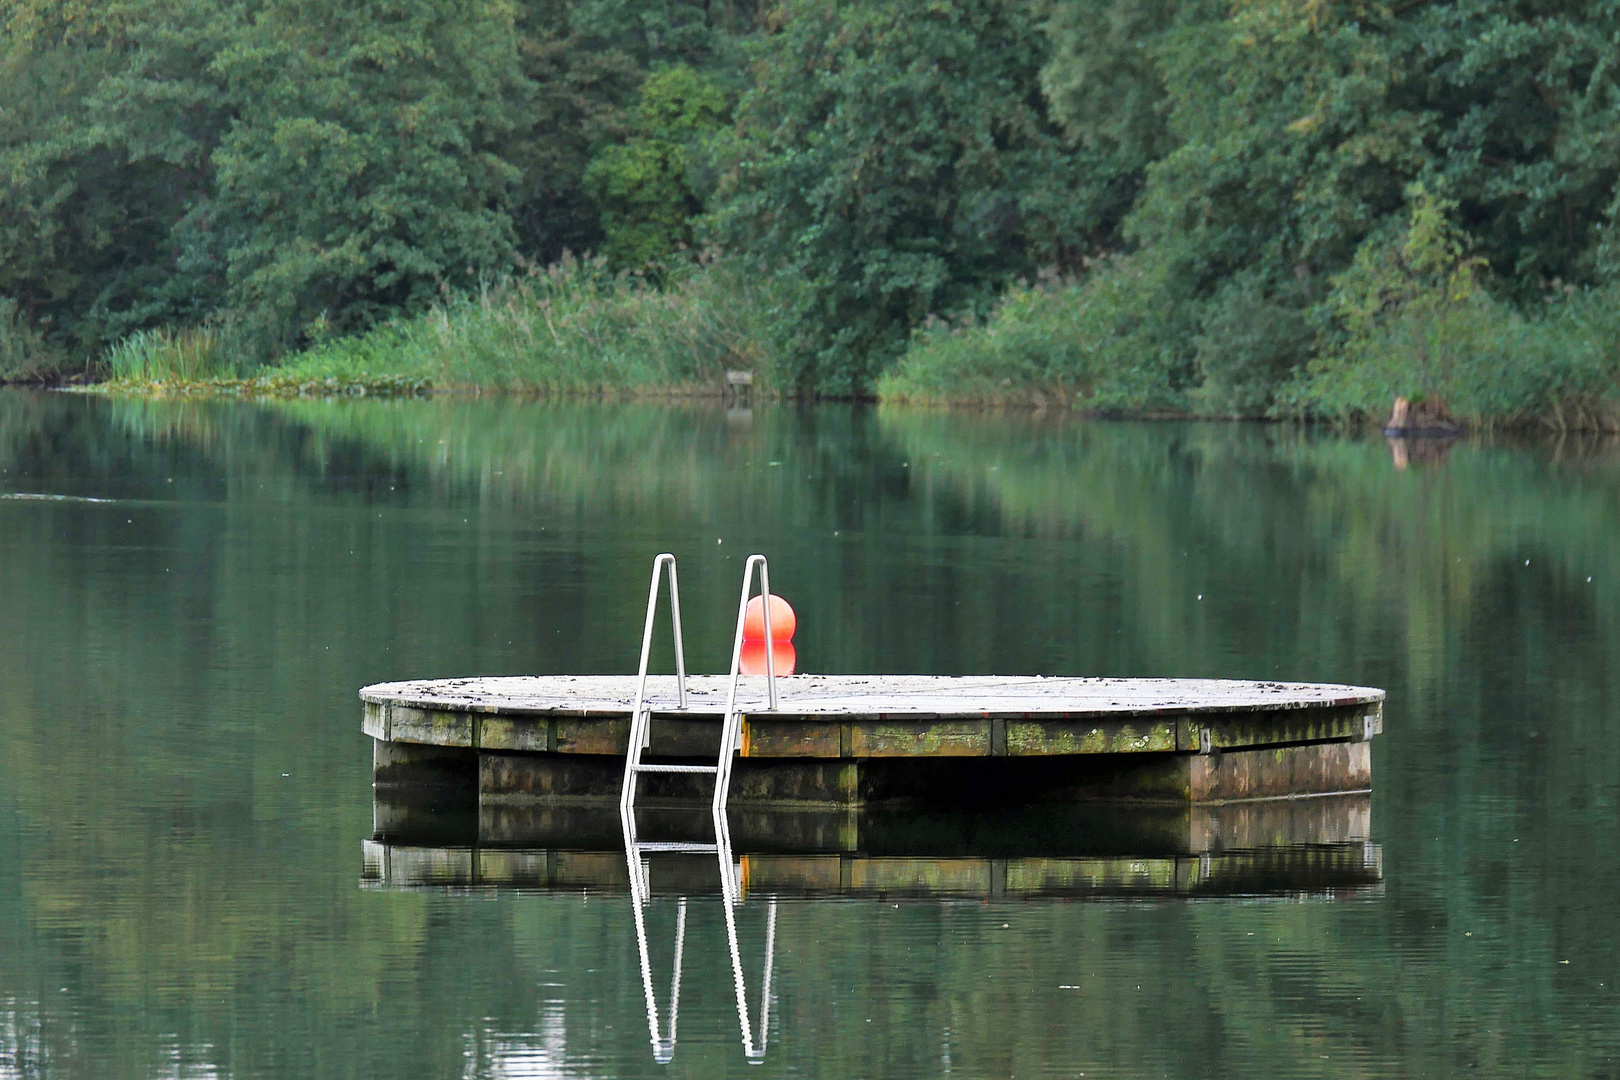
pixel 783 621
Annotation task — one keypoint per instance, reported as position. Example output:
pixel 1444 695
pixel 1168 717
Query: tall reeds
pixel 574 328
pixel 189 354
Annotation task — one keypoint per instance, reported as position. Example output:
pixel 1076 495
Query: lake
pixel 193 593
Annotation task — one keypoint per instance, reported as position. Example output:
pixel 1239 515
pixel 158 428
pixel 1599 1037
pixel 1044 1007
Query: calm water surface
pixel 185 790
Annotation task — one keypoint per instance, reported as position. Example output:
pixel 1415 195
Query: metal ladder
pixel 636 852
pixel 731 726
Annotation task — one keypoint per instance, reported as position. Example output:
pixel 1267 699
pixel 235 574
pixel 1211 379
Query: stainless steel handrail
pixel 641 712
pixel 731 727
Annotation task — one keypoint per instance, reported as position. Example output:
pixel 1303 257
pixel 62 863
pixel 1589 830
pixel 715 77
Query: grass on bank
pixel 571 328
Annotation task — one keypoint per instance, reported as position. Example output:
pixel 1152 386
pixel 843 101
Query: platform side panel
pixel 793 736
pixel 431 727
pixel 593 735
pixel 1236 731
pixel 530 734
pixel 1292 770
pixel 1042 737
pixel 879 737
pixel 555 779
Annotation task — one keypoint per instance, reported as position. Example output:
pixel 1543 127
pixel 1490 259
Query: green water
pixel 184 787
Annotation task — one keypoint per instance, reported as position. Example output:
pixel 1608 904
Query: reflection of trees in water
pixel 214 644
pixel 1482 593
pixel 1398 564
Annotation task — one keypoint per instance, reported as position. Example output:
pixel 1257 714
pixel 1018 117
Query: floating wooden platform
pixel 854 739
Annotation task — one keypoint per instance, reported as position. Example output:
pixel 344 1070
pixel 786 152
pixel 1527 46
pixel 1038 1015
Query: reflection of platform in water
pixel 850 740
pixel 1311 847
pixel 1317 847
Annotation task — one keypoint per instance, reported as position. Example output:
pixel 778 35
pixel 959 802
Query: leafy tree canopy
pixel 641 184
pixel 901 159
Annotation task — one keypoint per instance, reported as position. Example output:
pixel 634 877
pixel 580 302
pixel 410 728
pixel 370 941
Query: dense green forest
pixel 1258 207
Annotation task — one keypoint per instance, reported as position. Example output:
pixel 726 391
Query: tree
pixel 1105 88
pixel 587 60
pixel 363 171
pixel 108 118
pixel 1299 127
pixel 641 185
pixel 286 164
pixel 900 159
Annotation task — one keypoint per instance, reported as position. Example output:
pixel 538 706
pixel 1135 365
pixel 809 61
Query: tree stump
pixel 1422 417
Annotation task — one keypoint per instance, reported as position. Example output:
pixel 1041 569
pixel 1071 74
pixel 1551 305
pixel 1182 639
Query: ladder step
pixel 711 769
pixel 676 846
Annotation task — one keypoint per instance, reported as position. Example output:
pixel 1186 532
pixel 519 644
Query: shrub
pixel 1249 343
pixel 1104 342
pixel 1413 319
pixel 1500 367
pixel 24 354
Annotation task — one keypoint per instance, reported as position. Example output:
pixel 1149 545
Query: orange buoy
pixel 783 621
pixel 783 655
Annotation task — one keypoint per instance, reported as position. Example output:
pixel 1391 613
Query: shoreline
pixel 266 388
pixel 271 387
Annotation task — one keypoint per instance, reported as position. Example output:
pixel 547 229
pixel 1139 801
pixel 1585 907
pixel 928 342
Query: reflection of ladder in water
pixel 636 852
pixel 731 726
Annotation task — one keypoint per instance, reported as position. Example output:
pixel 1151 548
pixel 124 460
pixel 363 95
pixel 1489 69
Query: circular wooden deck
pixel 898 696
